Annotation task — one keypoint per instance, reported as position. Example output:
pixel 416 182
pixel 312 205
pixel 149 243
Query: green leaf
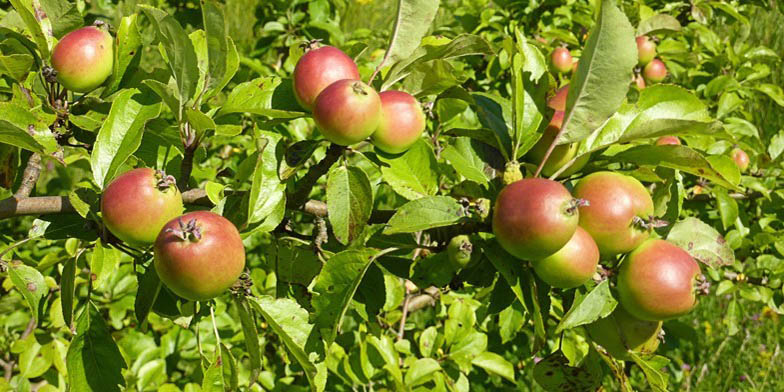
pixel 602 79
pixel 335 286
pixel 425 213
pixel 349 202
pixel 16 66
pixel 199 121
pixel 68 288
pixel 386 349
pixel 15 136
pixel 230 372
pixel 94 361
pixel 30 284
pixel 412 174
pixel 180 54
pixel 126 52
pixel 266 190
pixel 463 155
pixel 251 336
pixel 553 373
pixel 651 368
pixel 495 114
pixel 213 376
pixel 659 23
pixel 702 241
pixel 774 92
pixel 167 93
pixel 146 295
pixel 121 133
pixel 64 16
pixel 728 207
pixel 269 96
pixel 682 158
pixel 412 21
pixel 217 42
pixel 44 42
pixel 290 323
pixel 587 308
pixel 527 96
pixel 421 371
pixel 776 146
pixel 494 364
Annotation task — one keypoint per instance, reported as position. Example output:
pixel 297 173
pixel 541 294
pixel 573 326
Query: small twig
pixel 296 200
pixel 30 176
pixel 402 328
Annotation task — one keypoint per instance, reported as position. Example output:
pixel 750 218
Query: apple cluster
pixel 326 82
pixel 654 70
pixel 198 255
pixel 607 216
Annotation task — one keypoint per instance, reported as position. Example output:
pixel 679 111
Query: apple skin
pixel 402 122
pixel 558 101
pixel 347 112
pixel 655 71
pixel 534 218
pixel 572 265
pixel 621 332
pixel 657 281
pixel 319 68
pixel 668 140
pixel 646 50
pixel 639 81
pixel 560 155
pixel 741 159
pixel 459 251
pixel 134 208
pixel 614 200
pixel 200 269
pixel 84 59
pixel 562 60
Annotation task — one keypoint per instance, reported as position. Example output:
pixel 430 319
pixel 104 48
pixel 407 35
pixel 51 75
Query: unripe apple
pixel 572 265
pixel 560 155
pixel 616 206
pixel 646 50
pixel 561 59
pixel 655 71
pixel 347 112
pixel 83 59
pixel 136 205
pixel 534 218
pixel 657 281
pixel 459 251
pixel 319 68
pixel 402 122
pixel 199 255
pixel 558 101
pixel 621 332
pixel 668 140
pixel 741 159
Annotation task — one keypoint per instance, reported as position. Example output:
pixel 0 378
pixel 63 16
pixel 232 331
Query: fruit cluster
pixel 347 111
pixel 565 235
pixel 198 255
pixel 654 70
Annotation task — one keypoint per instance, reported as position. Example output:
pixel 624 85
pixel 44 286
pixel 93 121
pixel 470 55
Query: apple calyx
pixel 310 45
pixel 702 286
pixel 575 204
pixel 165 181
pixel 650 223
pixel 187 232
pixel 358 88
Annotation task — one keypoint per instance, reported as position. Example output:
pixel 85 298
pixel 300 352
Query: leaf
pixel 126 53
pixel 553 373
pixel 180 54
pixel 68 288
pixel 266 190
pixel 494 364
pixel 268 96
pixel 35 29
pixel 495 114
pixel 213 376
pixel 702 241
pixel 30 283
pixel 290 323
pixel 217 42
pixel 251 335
pixel 412 174
pixel 64 16
pixel 425 213
pixel 527 66
pixel 412 21
pixel 121 133
pixel 349 202
pixel 15 136
pixel 335 286
pixel 94 362
pixel 421 371
pixel 659 23
pixel 774 92
pixel 587 308
pixel 682 158
pixel 602 79
pixel 728 207
pixel 462 153
pixel 657 380
pixel 776 146
pixel 146 295
pixel 16 66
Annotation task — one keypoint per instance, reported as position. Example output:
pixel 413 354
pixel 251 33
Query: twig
pixel 30 176
pixel 186 167
pixel 8 365
pixel 296 200
pixel 550 151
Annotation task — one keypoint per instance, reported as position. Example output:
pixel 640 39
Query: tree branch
pixel 299 198
pixel 30 176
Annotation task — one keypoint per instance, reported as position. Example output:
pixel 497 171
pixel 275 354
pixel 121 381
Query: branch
pixel 299 198
pixel 186 167
pixel 30 176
